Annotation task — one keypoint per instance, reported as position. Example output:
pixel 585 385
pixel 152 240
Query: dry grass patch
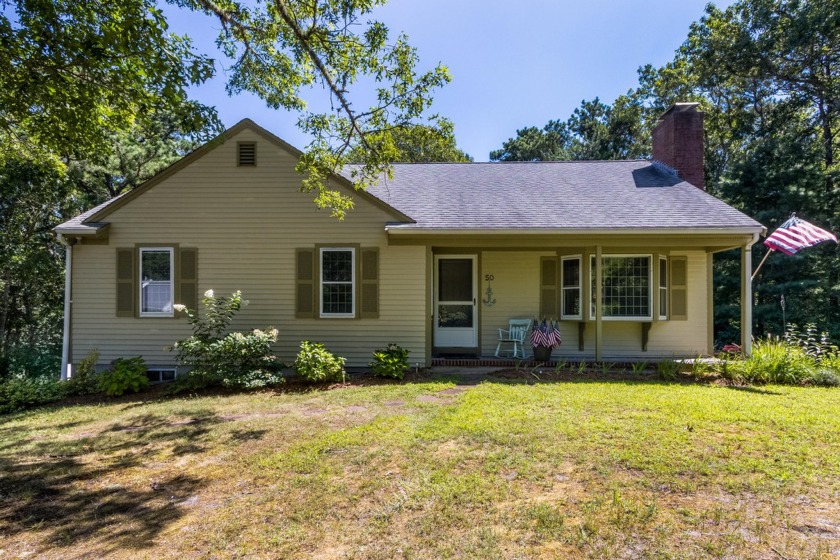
pixel 430 469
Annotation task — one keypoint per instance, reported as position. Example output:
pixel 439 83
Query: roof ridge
pixel 640 160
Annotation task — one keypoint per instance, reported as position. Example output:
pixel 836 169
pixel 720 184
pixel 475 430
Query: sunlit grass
pixel 419 470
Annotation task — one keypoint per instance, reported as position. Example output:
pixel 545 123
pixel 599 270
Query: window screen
pixel 156 282
pixel 337 282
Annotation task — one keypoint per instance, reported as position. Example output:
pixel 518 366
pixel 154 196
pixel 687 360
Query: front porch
pixel 647 303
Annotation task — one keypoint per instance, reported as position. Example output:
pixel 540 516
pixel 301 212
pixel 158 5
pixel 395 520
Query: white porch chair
pixel 515 335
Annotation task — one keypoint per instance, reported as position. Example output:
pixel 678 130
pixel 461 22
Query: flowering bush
pixel 233 360
pixel 391 361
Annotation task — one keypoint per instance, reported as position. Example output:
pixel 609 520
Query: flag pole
pixel 761 263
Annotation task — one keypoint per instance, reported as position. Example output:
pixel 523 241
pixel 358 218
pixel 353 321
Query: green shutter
pixel 548 287
pixel 305 283
pixel 126 281
pixel 369 304
pixel 679 292
pixel 188 279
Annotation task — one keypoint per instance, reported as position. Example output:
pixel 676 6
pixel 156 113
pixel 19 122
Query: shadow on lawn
pixel 79 491
pixel 756 390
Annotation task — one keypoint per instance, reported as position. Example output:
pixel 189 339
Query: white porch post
pixel 746 298
pixel 599 334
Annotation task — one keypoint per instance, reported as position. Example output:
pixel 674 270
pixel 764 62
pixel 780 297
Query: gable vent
pixel 248 153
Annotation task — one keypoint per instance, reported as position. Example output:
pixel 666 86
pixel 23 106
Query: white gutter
pixel 402 230
pixel 68 303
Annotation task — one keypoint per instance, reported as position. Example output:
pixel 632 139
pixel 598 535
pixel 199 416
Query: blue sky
pixel 513 64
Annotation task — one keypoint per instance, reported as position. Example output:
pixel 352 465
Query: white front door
pixel 455 311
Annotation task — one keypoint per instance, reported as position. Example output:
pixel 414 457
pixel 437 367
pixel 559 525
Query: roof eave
pixel 396 229
pixel 95 229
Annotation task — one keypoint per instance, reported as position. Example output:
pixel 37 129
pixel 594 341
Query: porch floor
pixel 501 363
pixel 488 362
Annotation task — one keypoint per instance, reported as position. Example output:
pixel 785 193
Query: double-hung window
pixel 625 287
pixel 570 295
pixel 156 281
pixel 338 282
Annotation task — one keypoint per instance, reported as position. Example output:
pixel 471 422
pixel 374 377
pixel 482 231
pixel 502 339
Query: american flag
pixel 795 235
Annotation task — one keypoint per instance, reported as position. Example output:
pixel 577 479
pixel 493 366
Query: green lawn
pixel 442 468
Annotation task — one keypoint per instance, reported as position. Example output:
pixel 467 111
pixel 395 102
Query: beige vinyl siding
pixel 516 288
pixel 667 338
pixel 246 223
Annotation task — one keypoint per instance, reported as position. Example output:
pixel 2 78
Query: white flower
pixel 180 307
pixel 209 294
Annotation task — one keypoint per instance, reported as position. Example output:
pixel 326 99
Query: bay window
pixel 626 282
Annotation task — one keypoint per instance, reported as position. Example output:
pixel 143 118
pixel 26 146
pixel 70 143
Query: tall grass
pixel 795 359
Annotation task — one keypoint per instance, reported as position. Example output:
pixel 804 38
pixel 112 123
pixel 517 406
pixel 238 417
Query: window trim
pixel 579 287
pixel 663 287
pixel 160 371
pixel 625 318
pixel 353 283
pixel 148 249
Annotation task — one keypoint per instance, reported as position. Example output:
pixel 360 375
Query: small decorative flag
pixel 795 235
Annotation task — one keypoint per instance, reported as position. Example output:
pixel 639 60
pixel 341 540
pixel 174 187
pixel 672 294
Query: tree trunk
pixel 4 311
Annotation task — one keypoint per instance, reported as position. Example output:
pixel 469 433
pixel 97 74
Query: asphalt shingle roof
pixel 78 225
pixel 552 195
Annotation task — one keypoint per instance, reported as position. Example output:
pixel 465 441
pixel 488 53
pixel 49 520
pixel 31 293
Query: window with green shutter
pixel 369 305
pixel 305 283
pixel 548 287
pixel 679 288
pixel 151 279
pixel 188 279
pixel 125 283
pixel 337 282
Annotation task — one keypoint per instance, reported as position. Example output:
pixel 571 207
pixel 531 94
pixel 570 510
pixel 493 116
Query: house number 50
pixel 489 277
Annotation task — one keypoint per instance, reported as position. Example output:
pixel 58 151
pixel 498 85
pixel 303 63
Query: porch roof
pixel 554 196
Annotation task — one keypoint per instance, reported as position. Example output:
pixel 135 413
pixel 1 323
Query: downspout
pixel 68 304
pixel 747 296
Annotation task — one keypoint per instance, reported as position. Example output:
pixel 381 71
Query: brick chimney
pixel 678 142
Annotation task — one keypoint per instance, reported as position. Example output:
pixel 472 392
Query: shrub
pixel 84 380
pixel 391 361
pixel 668 369
pixel 777 361
pixel 317 364
pixel 792 360
pixel 239 360
pixel 42 360
pixel 126 374
pixel 825 377
pixel 19 392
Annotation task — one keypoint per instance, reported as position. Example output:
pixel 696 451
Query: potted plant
pixel 545 336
